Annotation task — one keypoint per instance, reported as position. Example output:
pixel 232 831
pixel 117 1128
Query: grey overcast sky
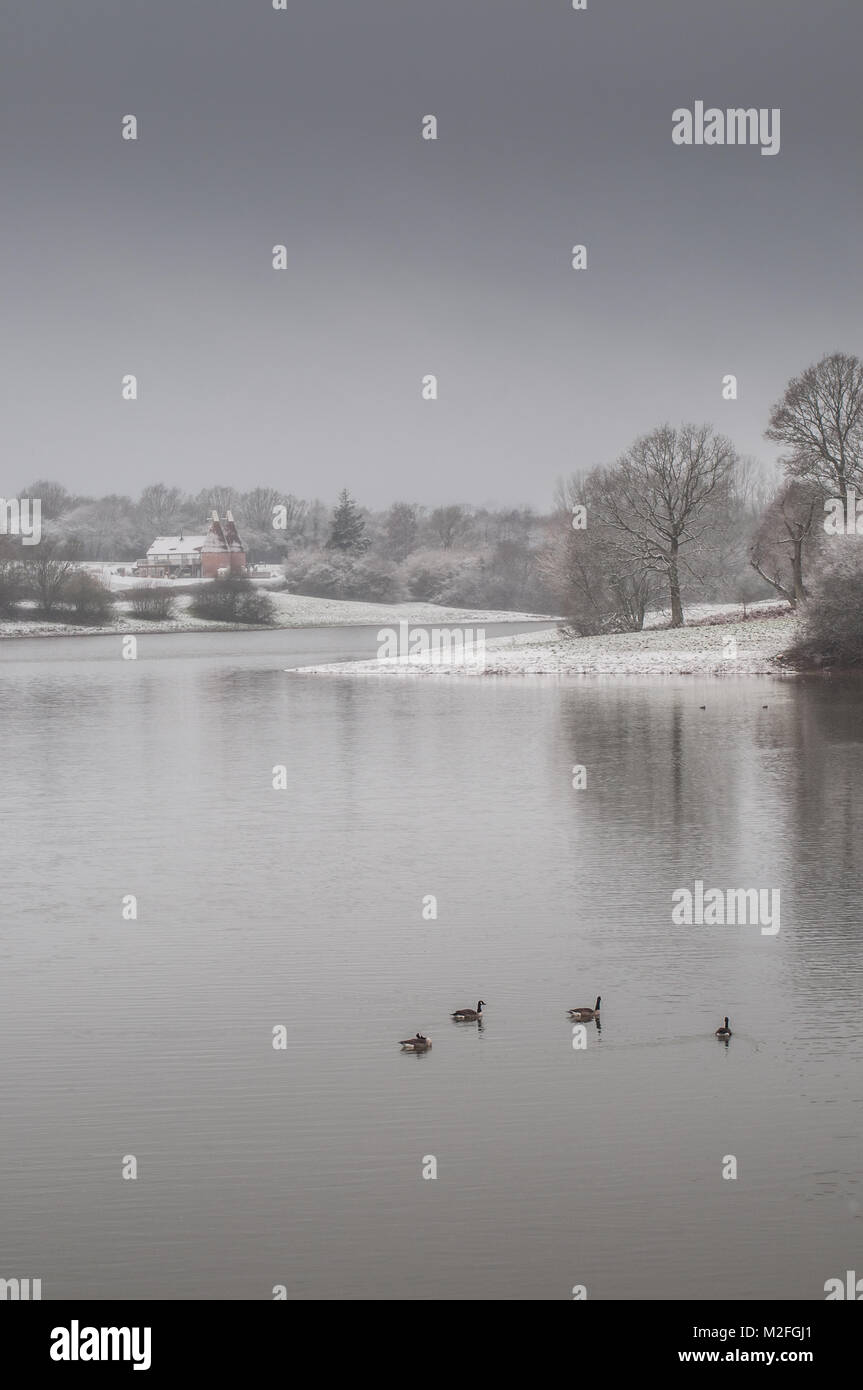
pixel 408 257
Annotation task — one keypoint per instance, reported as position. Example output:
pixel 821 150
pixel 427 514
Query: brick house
pixel 218 553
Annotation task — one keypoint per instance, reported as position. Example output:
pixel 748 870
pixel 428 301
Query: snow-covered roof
pixel 176 545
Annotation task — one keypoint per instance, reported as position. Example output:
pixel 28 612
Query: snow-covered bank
pixel 716 645
pixel 292 610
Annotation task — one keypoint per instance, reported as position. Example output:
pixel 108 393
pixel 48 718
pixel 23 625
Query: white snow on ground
pixel 109 573
pixel 701 648
pixel 292 610
pixel 718 612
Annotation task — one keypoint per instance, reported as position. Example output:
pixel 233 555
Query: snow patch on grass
pixel 291 610
pixel 700 648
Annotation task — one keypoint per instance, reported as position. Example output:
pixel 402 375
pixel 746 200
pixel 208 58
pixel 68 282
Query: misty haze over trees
pixel 679 518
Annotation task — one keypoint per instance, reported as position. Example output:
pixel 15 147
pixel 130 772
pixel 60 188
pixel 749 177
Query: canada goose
pixel 585 1013
pixel 724 1032
pixel 418 1043
pixel 469 1015
pixel 702 707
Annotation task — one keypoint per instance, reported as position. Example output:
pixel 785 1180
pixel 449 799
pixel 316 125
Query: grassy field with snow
pixel 292 610
pixel 718 641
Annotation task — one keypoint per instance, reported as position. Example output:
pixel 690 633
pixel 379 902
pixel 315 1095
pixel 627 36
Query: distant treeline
pixel 453 554
pixel 477 557
pixel 679 518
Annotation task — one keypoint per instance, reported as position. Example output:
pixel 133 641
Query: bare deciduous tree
pixel 217 499
pixel 54 498
pixel 665 496
pixel 159 507
pixel 107 528
pixel 258 510
pixel 449 524
pixel 48 574
pixel 786 535
pixel 401 529
pixel 819 420
pixel 599 586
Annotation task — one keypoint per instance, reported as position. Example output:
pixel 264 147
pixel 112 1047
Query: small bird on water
pixel 585 1013
pixel 469 1015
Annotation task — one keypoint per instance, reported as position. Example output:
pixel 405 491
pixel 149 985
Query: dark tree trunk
pixel 797 570
pixel 674 586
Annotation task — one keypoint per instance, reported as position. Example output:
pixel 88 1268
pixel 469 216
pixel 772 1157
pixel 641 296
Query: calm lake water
pixel 303 908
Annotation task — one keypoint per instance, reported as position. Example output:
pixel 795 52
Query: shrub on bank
pixel 831 633
pixel 315 573
pixel 12 585
pixel 151 605
pixel 436 576
pixel 374 581
pixel 85 600
pixel 232 601
pixel 330 574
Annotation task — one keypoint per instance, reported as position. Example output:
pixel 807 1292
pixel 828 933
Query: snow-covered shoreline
pixel 292 611
pixel 715 645
pixel 699 648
